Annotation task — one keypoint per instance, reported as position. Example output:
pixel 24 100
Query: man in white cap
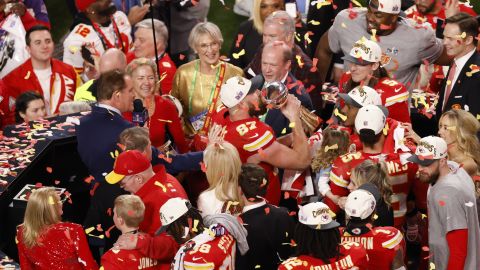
pixel 372 127
pixel 319 245
pixel 255 140
pixel 404 46
pixel 365 68
pixel 453 227
pixel 385 245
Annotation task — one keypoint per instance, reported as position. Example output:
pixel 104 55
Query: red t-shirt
pixel 381 244
pixel 394 96
pixel 154 193
pixel 251 136
pixel 353 255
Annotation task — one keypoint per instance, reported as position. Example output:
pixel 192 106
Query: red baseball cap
pixel 127 163
pixel 82 5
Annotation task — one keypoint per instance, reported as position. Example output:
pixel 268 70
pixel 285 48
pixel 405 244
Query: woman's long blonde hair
pixel 42 211
pixel 223 167
pixel 331 137
pixel 465 131
pixel 375 173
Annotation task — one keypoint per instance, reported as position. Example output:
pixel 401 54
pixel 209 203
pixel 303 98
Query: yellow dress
pixel 195 91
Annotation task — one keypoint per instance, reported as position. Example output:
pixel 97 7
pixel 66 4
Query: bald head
pixel 112 59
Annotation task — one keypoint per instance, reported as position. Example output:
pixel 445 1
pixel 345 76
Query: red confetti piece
pixel 49 169
pixel 203 167
pixel 181 57
pixel 38 185
pixel 57 182
pixel 314 65
pixel 292 213
pixel 88 179
pixel 292 243
pixel 267 210
pixel 109 212
pixel 286 195
pixel 130 212
pixel 425 248
pixel 107 233
pixel 239 39
pixel 167 159
pixel 441 203
pixel 99 228
pixel 194 2
pixel 92 191
pixel 121 146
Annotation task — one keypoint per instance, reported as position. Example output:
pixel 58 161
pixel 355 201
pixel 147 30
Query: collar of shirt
pixel 253 206
pixel 108 107
pixel 460 62
pixel 285 78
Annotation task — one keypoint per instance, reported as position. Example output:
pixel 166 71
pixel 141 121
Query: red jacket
pixel 167 71
pixel 63 83
pixel 63 246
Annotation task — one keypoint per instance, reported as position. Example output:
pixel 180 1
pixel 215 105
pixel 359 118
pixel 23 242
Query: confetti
pixel 432 266
pixel 258 266
pixel 203 167
pixel 56 182
pixel 107 233
pixel 343 117
pixel 330 147
pixel 49 169
pixel 299 61
pixel 109 211
pixel 95 186
pixel 88 179
pixel 264 182
pixel 164 189
pixel 441 203
pixel 314 65
pixel 181 57
pixel 469 204
pixel 239 39
pixel 425 248
pixel 89 230
pixel 267 210
pixel 237 55
pixel 286 195
pixel 99 228
pixel 313 22
pixel 51 201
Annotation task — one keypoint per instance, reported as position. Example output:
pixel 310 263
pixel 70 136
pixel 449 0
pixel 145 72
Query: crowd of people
pixel 333 137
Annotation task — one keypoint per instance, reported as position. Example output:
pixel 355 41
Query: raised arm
pixel 324 56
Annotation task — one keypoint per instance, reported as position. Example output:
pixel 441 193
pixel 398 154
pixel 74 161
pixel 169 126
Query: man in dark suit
pixel 276 65
pixel 461 88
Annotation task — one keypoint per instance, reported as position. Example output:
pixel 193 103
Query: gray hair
pixel 160 29
pixel 205 28
pixel 282 19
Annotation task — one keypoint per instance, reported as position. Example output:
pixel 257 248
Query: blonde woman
pixel 369 172
pixel 163 115
pixel 222 167
pixel 44 242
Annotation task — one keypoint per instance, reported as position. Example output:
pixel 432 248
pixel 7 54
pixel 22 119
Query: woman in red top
pixel 163 115
pixel 44 242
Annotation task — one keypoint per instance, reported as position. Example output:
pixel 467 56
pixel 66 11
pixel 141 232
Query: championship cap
pixel 234 90
pixel 82 5
pixel 387 6
pixel 127 163
pixel 364 52
pixel 429 149
pixel 371 117
pixel 317 216
pixel 360 204
pixel 361 96
pixel 172 210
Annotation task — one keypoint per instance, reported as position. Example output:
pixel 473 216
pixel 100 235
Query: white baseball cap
pixel 317 216
pixel 361 96
pixel 172 210
pixel 388 6
pixel 234 90
pixel 371 117
pixel 428 150
pixel 360 203
pixel 364 52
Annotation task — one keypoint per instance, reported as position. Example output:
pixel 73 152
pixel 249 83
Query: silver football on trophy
pixel 275 93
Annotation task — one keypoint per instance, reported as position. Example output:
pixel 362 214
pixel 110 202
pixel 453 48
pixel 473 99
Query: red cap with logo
pixel 127 163
pixel 82 5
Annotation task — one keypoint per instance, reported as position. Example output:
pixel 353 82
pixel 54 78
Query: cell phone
pixel 439 30
pixel 291 9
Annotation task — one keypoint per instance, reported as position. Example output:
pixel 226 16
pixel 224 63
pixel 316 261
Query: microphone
pixel 139 114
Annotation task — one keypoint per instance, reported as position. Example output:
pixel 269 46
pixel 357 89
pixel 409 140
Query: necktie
pixel 448 89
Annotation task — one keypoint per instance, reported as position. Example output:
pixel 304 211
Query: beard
pixel 430 179
pixel 256 110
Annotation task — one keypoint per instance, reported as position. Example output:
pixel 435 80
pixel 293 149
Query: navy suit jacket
pixel 466 91
pixel 275 117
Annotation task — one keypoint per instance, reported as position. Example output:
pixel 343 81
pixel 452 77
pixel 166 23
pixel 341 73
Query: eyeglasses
pixel 213 46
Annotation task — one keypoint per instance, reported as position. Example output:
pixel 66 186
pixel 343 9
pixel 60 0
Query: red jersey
pixel 353 255
pixel 154 193
pixel 117 259
pixel 205 251
pixel 63 83
pixel 381 244
pixel 251 136
pixel 166 68
pixel 394 96
pixel 421 19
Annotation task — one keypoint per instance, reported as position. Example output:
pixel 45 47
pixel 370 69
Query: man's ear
pixel 469 40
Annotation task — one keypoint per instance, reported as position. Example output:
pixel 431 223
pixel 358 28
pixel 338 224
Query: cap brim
pixel 257 83
pixel 161 230
pixel 349 100
pixel 384 110
pixel 355 60
pixel 328 226
pixel 424 162
pixel 113 178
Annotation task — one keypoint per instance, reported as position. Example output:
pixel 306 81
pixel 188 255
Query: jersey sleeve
pixel 392 238
pixel 339 180
pixel 334 31
pixel 259 136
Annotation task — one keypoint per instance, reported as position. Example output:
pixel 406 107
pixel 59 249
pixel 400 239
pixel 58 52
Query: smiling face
pixel 41 46
pixel 426 6
pixel 455 45
pixel 446 130
pixel 274 66
pixel 144 45
pixel 384 23
pixel 143 81
pixel 362 72
pixel 208 49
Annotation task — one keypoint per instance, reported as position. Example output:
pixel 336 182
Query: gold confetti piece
pixel 452 128
pixel 385 129
pixel 332 214
pixel 164 189
pixel 51 201
pixel 284 131
pixel 298 37
pixel 240 53
pixel 463 35
pixel 27 76
pixel 478 116
pixel 313 22
pixel 344 25
pixel 330 147
pixel 432 266
pixel 258 266
pixel 16 240
pixel 163 120
pixel 195 224
pixel 291 125
pixel 73 49
pixel 336 112
pixel 449 82
pixel 375 217
pixel 89 230
pixel 424 216
pixel 307 39
pixel 356 3
pixel 321 4
pixel 299 60
pixel 374 35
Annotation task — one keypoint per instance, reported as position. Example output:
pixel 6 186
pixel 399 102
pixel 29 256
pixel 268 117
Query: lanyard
pixel 190 94
pixel 105 42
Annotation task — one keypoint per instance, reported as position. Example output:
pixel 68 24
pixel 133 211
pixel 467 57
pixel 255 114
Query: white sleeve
pixel 323 178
